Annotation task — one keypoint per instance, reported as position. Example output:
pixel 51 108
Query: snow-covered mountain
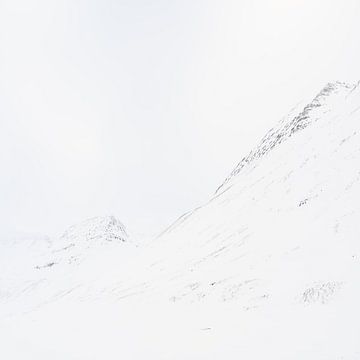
pixel 268 268
pixel 99 230
pixel 92 233
pixel 36 270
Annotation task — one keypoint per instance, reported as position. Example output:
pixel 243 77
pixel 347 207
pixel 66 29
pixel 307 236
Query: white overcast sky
pixel 141 108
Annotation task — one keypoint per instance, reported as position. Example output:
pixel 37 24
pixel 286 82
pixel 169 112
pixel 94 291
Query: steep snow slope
pixel 290 205
pixel 291 124
pixel 268 268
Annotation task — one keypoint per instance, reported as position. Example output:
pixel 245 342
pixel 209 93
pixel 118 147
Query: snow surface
pixel 268 268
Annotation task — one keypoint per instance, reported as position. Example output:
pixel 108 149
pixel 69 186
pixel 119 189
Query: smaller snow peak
pixel 97 229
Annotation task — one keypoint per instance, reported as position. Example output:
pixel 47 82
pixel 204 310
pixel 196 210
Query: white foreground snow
pixel 269 268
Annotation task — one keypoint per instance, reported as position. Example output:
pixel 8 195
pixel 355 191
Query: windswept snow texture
pixel 269 268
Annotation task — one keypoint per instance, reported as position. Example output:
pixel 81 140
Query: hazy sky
pixel 141 108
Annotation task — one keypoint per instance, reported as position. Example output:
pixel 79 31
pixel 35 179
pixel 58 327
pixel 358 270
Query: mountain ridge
pixel 288 127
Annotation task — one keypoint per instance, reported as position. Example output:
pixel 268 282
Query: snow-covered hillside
pixel 268 268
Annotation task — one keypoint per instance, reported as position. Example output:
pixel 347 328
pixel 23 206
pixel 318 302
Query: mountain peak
pixel 324 101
